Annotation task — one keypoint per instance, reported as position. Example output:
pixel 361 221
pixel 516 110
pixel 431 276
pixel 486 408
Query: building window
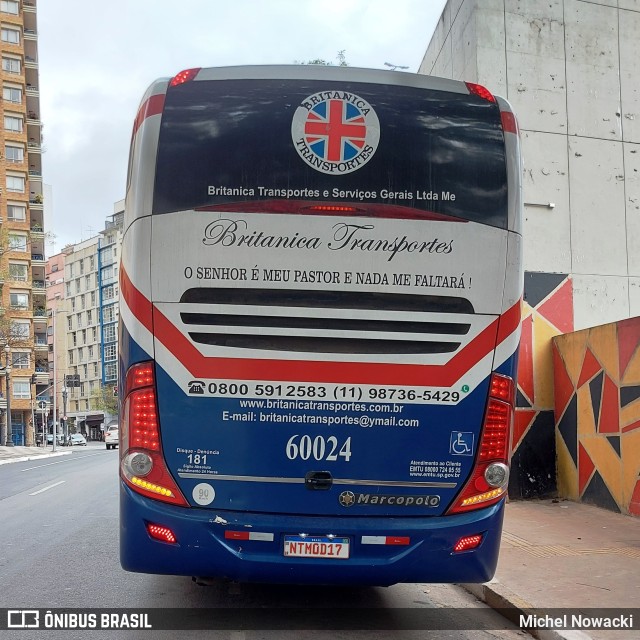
pixel 109 333
pixel 87 283
pixel 20 360
pixel 68 286
pixel 110 353
pixel 108 292
pixel 19 300
pixel 18 271
pixel 12 36
pixel 21 388
pixel 13 154
pixel 93 298
pixel 92 263
pixel 12 94
pixel 15 184
pixel 21 329
pixel 110 372
pixel 13 123
pixel 11 65
pixel 70 323
pixel 17 242
pixel 10 6
pixel 16 212
pixel 89 318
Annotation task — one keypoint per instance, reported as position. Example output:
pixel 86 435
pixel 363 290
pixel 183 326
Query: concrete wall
pixel 570 69
pixel 597 415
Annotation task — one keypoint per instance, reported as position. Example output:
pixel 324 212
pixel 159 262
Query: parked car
pixel 59 439
pixel 111 436
pixel 78 439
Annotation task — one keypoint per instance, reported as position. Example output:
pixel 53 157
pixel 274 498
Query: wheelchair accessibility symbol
pixel 461 443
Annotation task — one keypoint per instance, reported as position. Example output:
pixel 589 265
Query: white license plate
pixel 316 547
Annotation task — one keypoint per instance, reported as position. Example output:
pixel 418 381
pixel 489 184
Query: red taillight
pixel 184 76
pixel 488 481
pixel 141 435
pixel 479 90
pixel 158 532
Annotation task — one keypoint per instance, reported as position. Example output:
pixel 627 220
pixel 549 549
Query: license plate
pixel 316 547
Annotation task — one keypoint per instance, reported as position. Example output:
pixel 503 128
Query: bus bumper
pixel 201 548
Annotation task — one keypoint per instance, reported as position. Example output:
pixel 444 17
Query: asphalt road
pixel 59 549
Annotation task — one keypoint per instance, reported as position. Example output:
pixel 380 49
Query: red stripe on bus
pixel 151 107
pixel 322 371
pixel 201 366
pixel 509 321
pixel 140 306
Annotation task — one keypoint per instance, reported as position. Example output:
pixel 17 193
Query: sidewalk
pixel 562 555
pixel 18 454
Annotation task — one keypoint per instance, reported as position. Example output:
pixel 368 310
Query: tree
pixel 342 61
pixel 105 399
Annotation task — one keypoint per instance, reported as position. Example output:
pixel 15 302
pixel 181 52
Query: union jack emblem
pixel 335 130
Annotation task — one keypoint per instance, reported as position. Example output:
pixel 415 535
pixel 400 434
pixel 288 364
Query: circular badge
pixel 335 131
pixel 203 493
pixel 347 498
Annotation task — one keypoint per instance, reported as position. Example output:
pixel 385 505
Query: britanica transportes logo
pixel 335 131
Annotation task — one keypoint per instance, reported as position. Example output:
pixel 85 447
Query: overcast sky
pixel 97 59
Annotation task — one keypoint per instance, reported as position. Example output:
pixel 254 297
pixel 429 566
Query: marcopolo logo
pixel 349 499
pixel 335 132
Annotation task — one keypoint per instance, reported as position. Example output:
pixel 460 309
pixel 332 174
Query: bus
pixel 320 303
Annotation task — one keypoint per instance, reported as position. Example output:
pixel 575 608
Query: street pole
pixel 64 412
pixel 9 441
pixel 55 378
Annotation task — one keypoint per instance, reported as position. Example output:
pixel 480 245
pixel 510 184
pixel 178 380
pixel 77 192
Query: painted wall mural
pixel 547 312
pixel 597 415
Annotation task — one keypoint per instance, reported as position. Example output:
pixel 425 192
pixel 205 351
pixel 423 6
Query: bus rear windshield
pixel 227 141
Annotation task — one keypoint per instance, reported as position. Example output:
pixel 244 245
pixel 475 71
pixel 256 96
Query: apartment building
pixel 23 321
pixel 86 345
pixel 82 328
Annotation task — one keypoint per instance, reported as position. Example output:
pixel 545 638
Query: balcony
pixel 28 6
pixel 37 232
pixel 30 34
pixel 38 259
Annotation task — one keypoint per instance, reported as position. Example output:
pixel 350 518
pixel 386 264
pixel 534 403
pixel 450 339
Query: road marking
pixel 35 493
pixel 91 455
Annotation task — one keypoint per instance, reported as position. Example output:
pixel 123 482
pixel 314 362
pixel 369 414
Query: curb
pixel 39 456
pixel 510 605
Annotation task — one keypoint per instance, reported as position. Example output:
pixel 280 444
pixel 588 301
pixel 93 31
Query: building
pixel 569 68
pixel 22 264
pixel 108 257
pixel 55 344
pixel 82 325
pixel 87 315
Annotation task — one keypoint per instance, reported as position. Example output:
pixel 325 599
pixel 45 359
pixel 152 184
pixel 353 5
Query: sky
pixel 96 59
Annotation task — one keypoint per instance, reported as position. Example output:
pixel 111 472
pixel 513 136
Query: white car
pixel 111 436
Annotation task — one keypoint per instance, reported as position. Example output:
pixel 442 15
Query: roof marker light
pixel 184 76
pixel 480 91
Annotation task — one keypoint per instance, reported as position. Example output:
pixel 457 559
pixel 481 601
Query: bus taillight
pixel 184 76
pixel 490 476
pixel 142 464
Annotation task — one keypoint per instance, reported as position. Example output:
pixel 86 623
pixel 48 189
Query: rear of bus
pixel 320 307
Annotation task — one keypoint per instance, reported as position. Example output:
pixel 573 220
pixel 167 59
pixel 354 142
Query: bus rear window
pixel 227 141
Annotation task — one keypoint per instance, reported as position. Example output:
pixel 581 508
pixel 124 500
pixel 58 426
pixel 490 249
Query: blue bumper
pixel 202 549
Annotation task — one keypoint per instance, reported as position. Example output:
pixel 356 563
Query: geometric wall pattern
pixel 547 312
pixel 597 415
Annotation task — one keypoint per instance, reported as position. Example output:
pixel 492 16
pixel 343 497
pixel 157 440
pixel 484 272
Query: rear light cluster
pixel 142 464
pixel 490 476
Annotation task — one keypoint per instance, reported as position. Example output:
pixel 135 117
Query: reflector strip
pixel 248 535
pixel 386 540
pixel 158 532
pixel 509 122
pixel 468 542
